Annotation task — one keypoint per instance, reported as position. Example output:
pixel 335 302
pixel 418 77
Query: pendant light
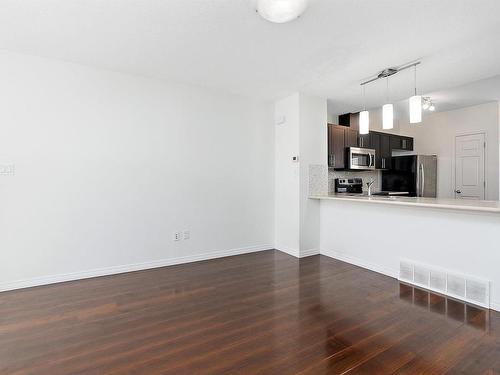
pixel 364 117
pixel 415 104
pixel 281 11
pixel 387 112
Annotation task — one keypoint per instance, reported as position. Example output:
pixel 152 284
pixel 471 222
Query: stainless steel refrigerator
pixel 415 174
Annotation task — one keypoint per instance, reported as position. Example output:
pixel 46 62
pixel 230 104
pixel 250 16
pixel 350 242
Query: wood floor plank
pixel 260 313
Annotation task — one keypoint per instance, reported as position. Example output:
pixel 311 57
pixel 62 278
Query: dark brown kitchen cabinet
pixel 350 120
pixel 351 137
pixel 336 146
pixel 365 140
pixel 385 151
pixel 381 143
pixel 401 143
pixel 375 144
pixel 341 137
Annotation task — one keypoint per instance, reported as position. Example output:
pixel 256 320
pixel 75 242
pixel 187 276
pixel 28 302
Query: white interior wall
pixel 300 131
pixel 313 150
pixel 287 175
pixel 108 166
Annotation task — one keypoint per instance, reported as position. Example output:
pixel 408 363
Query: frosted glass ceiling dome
pixel 281 11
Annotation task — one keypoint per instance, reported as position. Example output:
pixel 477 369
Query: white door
pixel 469 166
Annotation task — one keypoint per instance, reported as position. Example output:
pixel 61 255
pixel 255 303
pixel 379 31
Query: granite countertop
pixel 453 204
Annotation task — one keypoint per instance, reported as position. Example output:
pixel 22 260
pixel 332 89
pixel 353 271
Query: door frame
pixel 454 177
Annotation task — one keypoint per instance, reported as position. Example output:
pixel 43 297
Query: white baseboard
pixel 495 306
pixel 288 250
pixel 308 253
pixel 113 270
pixel 296 252
pixel 360 263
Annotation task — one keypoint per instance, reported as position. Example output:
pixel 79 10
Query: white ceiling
pixel 224 44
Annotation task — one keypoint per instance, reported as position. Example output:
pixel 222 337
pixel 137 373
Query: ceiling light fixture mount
pixel 281 11
pixel 390 72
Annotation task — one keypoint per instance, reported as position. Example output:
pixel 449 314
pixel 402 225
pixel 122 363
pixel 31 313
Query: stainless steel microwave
pixel 361 158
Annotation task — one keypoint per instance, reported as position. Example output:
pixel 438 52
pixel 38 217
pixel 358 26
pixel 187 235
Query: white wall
pixel 466 243
pixel 313 150
pixel 437 133
pixel 287 189
pixel 300 131
pixel 109 165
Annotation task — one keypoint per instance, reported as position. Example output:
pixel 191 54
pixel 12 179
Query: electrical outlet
pixel 177 236
pixel 187 235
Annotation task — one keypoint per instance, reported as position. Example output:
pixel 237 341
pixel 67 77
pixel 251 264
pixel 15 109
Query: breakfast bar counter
pixel 437 203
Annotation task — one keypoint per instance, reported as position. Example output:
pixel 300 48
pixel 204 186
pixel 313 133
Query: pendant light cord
pixel 364 98
pixel 415 72
pixel 387 91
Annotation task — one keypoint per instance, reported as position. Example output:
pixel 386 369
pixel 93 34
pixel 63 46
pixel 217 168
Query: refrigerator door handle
pixel 422 182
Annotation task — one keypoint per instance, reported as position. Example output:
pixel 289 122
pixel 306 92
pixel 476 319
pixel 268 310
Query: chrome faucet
pixel 369 185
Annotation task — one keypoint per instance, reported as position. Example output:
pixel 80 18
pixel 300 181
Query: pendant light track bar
pixel 390 71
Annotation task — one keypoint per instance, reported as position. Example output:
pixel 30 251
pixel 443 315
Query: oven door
pixel 361 158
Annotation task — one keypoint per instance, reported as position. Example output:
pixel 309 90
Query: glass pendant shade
pixel 415 109
pixel 281 11
pixel 387 116
pixel 364 122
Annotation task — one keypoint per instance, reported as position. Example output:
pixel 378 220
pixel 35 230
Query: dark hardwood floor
pixel 261 313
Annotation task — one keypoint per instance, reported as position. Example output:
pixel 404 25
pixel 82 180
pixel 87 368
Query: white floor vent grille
pixel 467 288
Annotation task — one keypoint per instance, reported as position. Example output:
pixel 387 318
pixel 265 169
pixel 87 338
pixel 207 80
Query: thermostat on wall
pixel 280 120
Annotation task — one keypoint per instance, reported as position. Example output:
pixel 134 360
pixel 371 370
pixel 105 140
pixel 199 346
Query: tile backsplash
pixel 365 175
pixel 318 179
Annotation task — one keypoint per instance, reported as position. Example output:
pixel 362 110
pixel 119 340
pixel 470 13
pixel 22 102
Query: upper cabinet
pixel 351 137
pixel 341 137
pixel 401 143
pixel 384 153
pixel 365 140
pixel 336 146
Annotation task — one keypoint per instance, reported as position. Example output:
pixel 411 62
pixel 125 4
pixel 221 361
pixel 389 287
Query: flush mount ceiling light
pixel 281 11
